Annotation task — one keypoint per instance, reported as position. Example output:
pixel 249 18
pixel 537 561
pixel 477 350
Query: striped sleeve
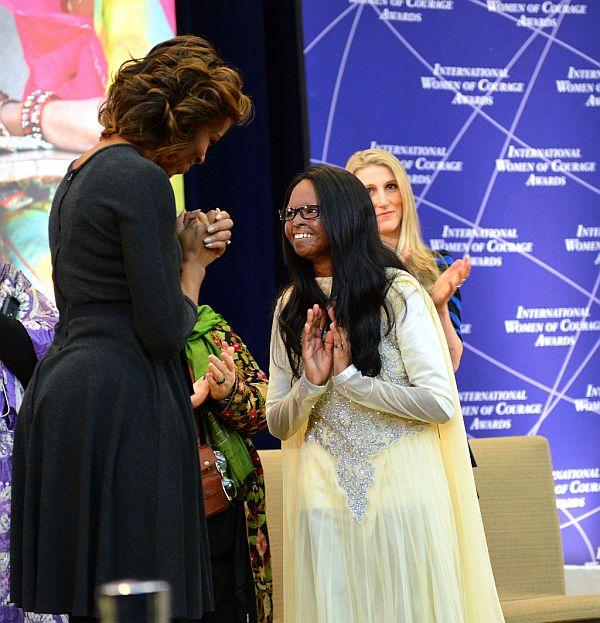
pixel 444 259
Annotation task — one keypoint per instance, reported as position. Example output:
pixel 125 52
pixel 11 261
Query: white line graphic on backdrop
pixel 516 373
pixel 580 518
pixel 475 112
pixel 524 254
pixel 576 374
pixel 541 32
pixel 450 149
pixel 584 536
pixel 479 111
pixel 515 122
pixel 536 427
pixel 327 28
pixel 338 81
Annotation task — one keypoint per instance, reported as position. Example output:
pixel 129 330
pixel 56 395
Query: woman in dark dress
pixel 106 475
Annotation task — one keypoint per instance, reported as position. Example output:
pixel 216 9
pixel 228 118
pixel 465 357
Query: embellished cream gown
pixel 382 521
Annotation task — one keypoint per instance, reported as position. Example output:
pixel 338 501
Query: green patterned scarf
pixel 222 437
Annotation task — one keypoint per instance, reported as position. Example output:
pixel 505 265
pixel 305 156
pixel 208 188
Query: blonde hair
pixel 421 260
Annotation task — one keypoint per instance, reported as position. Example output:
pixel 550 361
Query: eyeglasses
pixel 229 488
pixel 307 212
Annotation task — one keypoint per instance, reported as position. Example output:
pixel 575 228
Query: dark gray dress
pixel 106 475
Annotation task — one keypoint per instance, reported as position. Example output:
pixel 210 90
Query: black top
pixel 106 475
pixel 115 231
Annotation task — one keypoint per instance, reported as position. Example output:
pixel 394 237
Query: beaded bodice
pixel 355 434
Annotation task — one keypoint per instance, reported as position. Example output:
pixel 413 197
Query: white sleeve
pixel 288 403
pixel 429 398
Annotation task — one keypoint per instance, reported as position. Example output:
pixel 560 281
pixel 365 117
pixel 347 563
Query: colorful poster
pixel 57 57
pixel 493 108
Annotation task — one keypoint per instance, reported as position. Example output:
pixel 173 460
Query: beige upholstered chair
pixel 516 489
pixel 514 480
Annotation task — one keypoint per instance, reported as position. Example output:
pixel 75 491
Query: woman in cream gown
pixel 381 515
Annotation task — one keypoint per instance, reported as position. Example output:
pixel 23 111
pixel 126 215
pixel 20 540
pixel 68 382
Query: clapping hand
pixel 317 355
pixel 221 375
pixel 201 391
pixel 453 277
pixel 219 381
pixel 342 352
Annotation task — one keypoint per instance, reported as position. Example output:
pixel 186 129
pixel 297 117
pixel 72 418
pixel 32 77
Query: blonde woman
pixel 389 188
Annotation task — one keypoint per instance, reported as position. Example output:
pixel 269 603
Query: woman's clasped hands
pixel 324 349
pixel 204 236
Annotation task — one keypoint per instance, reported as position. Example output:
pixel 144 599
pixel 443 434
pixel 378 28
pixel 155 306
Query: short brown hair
pixel 159 102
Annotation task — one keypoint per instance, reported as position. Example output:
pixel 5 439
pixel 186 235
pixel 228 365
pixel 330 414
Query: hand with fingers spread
pixel 221 375
pixel 342 352
pixel 451 279
pixel 317 353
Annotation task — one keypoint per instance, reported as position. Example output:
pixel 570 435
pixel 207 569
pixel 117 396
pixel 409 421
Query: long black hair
pixel 359 259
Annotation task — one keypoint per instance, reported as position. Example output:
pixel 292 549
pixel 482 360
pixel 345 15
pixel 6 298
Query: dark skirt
pixel 106 475
pixel 233 582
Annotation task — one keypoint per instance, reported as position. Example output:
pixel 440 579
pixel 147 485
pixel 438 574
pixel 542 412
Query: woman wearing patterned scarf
pixel 230 392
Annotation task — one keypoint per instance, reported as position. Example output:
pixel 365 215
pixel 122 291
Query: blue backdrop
pixel 493 109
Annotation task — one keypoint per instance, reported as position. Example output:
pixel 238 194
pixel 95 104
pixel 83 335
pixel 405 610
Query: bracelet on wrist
pixel 31 113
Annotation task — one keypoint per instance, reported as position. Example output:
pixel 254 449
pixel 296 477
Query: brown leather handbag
pixel 215 500
pixel 213 489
